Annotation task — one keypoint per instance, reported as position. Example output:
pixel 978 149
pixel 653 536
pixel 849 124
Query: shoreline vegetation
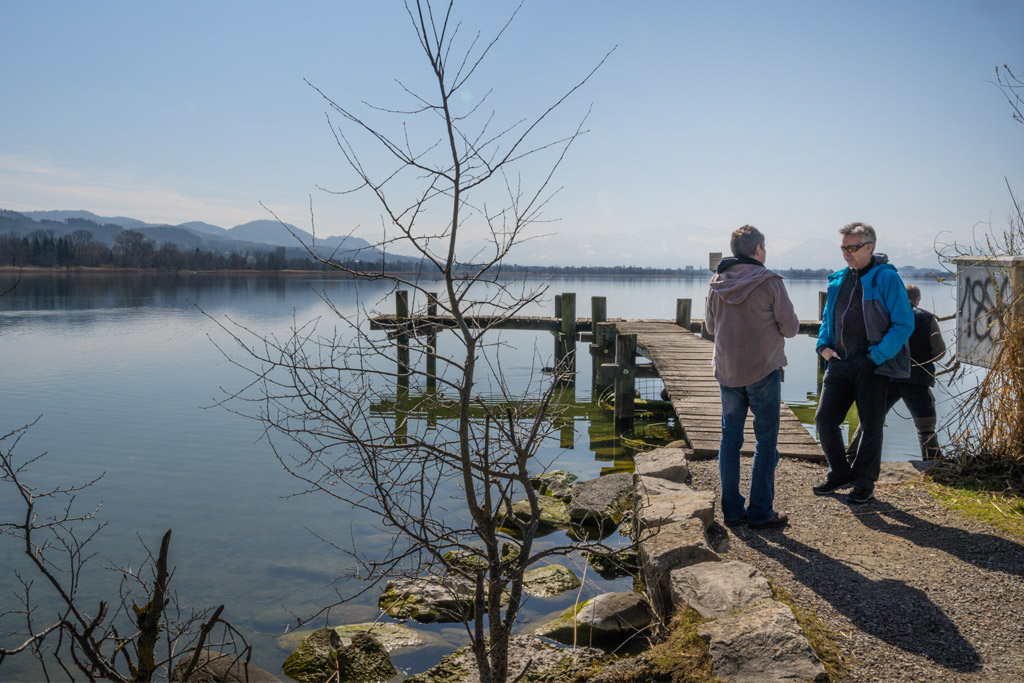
pixel 907 273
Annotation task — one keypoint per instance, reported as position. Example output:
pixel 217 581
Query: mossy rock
pixel 548 664
pixel 469 561
pixel 624 562
pixel 324 655
pixel 554 515
pixel 556 483
pixel 314 660
pixel 364 659
pixel 606 621
pixel 427 600
pixel 550 580
pixel 391 636
pixel 451 669
pixel 465 560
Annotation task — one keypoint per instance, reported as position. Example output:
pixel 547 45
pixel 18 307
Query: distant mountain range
pixel 255 236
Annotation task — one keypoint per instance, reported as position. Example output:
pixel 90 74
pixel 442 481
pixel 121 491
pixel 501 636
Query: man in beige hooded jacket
pixel 749 312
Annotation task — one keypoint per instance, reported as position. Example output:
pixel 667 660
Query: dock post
pixel 603 350
pixel 559 347
pixel 625 380
pixel 402 322
pixel 432 344
pixel 683 308
pixel 598 314
pixel 566 368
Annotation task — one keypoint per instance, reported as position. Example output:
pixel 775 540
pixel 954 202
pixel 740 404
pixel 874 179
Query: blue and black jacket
pixel 888 317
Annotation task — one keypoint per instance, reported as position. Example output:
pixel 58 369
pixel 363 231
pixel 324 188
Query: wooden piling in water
pixel 603 353
pixel 432 344
pixel 625 380
pixel 402 317
pixel 565 360
pixel 598 315
pixel 558 338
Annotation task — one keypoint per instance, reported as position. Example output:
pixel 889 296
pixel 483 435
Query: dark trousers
pixel 847 382
pixel 921 405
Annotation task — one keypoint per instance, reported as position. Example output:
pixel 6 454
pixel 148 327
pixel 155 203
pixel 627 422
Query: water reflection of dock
pixel 676 351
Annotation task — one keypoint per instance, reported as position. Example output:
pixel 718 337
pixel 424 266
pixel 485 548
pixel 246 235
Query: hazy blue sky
pixel 797 117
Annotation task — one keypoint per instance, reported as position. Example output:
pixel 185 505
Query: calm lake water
pixel 122 371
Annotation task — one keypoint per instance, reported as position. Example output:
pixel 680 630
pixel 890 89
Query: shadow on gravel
pixel 986 551
pixel 889 610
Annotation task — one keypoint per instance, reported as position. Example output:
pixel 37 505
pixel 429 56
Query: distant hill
pixel 255 236
pixel 205 228
pixel 62 216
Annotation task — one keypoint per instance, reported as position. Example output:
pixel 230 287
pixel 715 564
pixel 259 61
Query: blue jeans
pixel 764 399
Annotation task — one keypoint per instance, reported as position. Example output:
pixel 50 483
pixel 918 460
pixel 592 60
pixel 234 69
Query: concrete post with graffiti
pixel 990 290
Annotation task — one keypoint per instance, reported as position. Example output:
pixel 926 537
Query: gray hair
pixel 858 229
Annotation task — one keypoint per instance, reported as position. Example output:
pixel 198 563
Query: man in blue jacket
pixel 864 332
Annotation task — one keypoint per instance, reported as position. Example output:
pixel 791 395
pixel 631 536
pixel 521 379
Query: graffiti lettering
pixel 978 301
pixel 981 293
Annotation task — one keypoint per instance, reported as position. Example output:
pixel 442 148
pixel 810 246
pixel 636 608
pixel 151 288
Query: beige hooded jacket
pixel 749 312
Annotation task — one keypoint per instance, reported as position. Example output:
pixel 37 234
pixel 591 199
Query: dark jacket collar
pixel 730 261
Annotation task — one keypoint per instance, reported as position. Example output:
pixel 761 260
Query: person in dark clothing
pixel 926 347
pixel 864 332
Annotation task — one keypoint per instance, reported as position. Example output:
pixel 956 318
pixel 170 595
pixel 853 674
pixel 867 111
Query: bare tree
pixel 444 488
pixel 134 637
pixel 987 426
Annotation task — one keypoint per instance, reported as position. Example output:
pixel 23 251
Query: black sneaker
pixel 828 486
pixel 860 495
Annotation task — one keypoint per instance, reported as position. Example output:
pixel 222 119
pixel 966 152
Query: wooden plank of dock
pixel 684 363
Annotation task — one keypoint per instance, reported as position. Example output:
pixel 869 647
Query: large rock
pixel 549 581
pixel 323 655
pixel 660 501
pixel 762 644
pixel 557 483
pixel 391 636
pixel 213 667
pixel 671 546
pixel 471 561
pixel 663 463
pixel 546 663
pixel 715 589
pixel 602 502
pixel 554 514
pixel 428 599
pixel 607 621
pixel 613 564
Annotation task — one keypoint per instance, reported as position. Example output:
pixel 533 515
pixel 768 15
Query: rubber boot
pixel 929 445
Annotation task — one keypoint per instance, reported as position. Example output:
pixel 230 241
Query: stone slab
pixel 715 589
pixel 763 644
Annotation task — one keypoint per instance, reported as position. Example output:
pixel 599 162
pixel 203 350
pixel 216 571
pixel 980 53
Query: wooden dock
pixel 679 355
pixel 683 361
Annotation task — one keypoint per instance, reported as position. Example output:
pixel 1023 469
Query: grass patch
pixel 983 499
pixel 683 657
pixel 821 638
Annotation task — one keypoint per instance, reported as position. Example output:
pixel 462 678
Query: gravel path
pixel 913 592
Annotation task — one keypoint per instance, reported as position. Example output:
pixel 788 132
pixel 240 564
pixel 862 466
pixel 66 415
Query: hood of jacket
pixel 737 278
pixel 876 261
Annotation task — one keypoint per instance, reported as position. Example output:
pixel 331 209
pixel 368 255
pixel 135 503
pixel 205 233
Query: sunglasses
pixel 853 248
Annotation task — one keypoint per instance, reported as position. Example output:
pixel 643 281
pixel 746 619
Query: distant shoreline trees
pixel 133 250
